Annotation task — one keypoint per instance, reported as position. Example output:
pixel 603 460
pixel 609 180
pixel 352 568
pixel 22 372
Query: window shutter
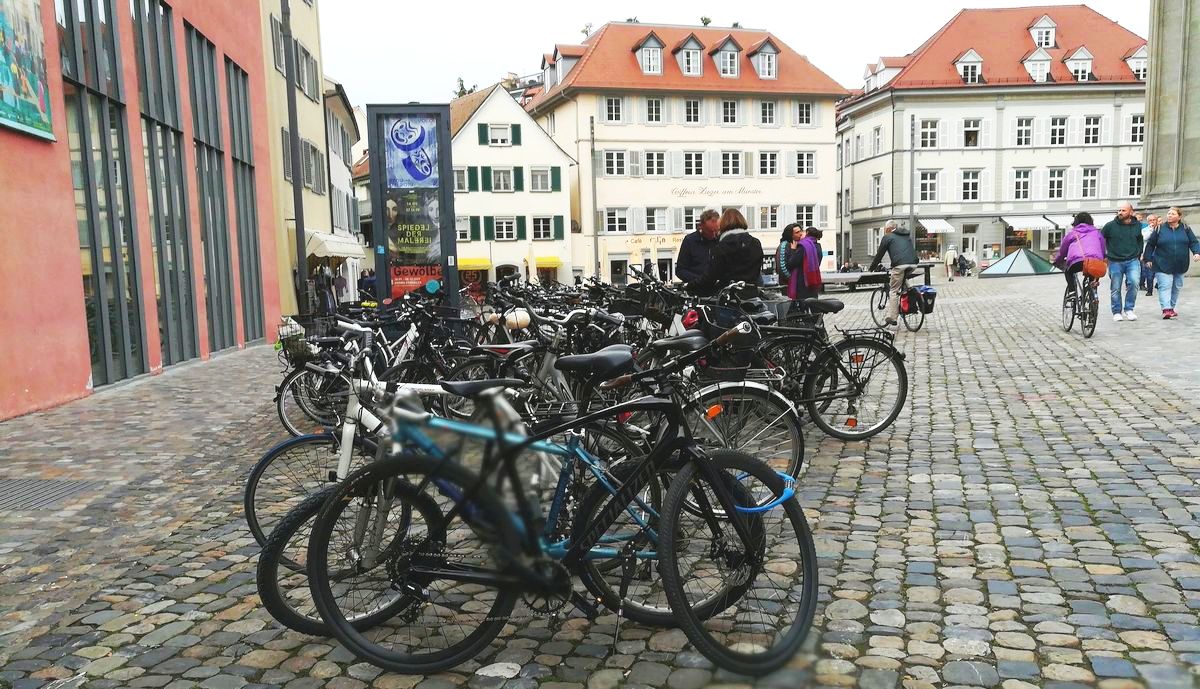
pixel 287 155
pixel 1010 189
pixel 1012 132
pixel 677 219
pixel 944 134
pixel 556 178
pixel 483 134
pixel 486 181
pixel 960 137
pixel 985 185
pixel 601 108
pixel 1106 130
pixel 518 179
pixel 958 187
pixel 676 164
pixel 636 219
pixel 626 113
pixel 521 227
pixel 1105 186
pixel 474 228
pixel 667 105
pixel 816 114
pixel 789 164
pixel 635 163
pixel 1127 129
pixel 1073 183
pixel 985 136
pixel 1040 131
pixel 1073 136
pixel 748 164
pixel 516 135
pixel 489 228
pixel 816 162
pixel 714 164
pixel 558 227
pixel 472 178
pixel 822 215
pixel 1039 181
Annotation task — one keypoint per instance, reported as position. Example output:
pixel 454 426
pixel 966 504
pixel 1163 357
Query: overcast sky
pixel 385 51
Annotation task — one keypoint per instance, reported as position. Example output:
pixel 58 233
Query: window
pixel 550 124
pixel 846 200
pixel 971 133
pixel 539 179
pixel 1134 185
pixel 970 185
pixel 612 109
pixel 731 163
pixel 1081 70
pixel 691 216
pixel 693 164
pixel 460 179
pixel 804 113
pixel 839 205
pixel 1056 187
pixel 1091 130
pixel 1139 68
pixel 691 111
pixel 656 220
pixel 877 190
pixel 806 214
pixel 655 163
pixel 276 44
pixel 929 133
pixel 462 227
pixel 543 228
pixel 1021 181
pixel 729 63
pixel 651 60
pixel 928 186
pixel 691 63
pixel 614 163
pixel 729 112
pixel 768 217
pixel 1137 129
pixel 876 140
pixel 970 73
pixel 1044 38
pixel 1091 183
pixel 1058 131
pixel 654 110
pixel 1024 131
pixel 502 179
pixel 616 220
pixel 506 229
pixel 767 112
pixel 499 135
pixel 766 65
pixel 1038 70
pixel 768 163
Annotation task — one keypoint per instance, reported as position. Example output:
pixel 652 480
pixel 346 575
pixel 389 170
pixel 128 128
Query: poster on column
pixel 24 90
pixel 412 184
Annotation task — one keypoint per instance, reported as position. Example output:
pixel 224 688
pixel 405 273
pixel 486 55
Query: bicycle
pixel 912 304
pixel 1082 301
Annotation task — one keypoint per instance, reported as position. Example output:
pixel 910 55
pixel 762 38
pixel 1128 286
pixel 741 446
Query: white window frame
pixel 462 227
pixel 616 220
pixel 729 106
pixel 1039 70
pixel 1137 129
pixel 651 60
pixel 1081 70
pixel 731 163
pixel 1139 67
pixel 1022 184
pixel 768 163
pixel 656 220
pixel 859 151
pixel 690 115
pixel 510 235
pixel 536 173
pixel 1134 173
pixel 928 133
pixel 1058 122
pixel 460 175
pixel 1024 132
pixel 728 63
pixel 1091 130
pixel 1056 177
pixel 767 113
pixel 693 63
pixel 806 163
pixel 498 174
pixel 1043 38
pixel 971 72
pixel 876 140
pixel 927 186
pixel 768 217
pixel 691 214
pixel 973 124
pixel 657 168
pixel 1089 176
pixel 877 190
pixel 970 180
pixel 768 66
pixel 614 106
pixel 804 113
pixel 499 135
pixel 547 222
pixel 616 163
pixel 806 214
pixel 696 160
pixel 654 106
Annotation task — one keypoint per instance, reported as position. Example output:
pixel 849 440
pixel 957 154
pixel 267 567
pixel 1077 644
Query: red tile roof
pixel 462 108
pixel 892 62
pixel 361 167
pixel 608 63
pixel 683 41
pixel 569 50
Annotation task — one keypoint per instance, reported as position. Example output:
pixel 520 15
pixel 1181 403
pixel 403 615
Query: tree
pixel 632 20
pixel 737 25
pixel 587 30
pixel 705 21
pixel 462 89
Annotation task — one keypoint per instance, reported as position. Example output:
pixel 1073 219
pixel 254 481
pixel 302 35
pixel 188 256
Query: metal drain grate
pixel 34 494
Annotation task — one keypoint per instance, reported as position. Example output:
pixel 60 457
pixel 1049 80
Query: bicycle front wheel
pixel 308 402
pixel 877 305
pixel 746 603
pixel 1068 309
pixel 857 388
pixel 750 418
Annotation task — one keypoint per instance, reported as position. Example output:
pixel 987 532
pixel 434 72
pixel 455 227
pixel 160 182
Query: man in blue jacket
pixel 696 248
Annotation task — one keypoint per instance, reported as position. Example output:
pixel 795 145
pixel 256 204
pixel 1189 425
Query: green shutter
pixel 520 227
pixel 518 179
pixel 486 174
pixel 558 225
pixel 483 135
pixel 474 228
pixel 472 178
pixel 556 178
pixel 516 135
pixel 489 228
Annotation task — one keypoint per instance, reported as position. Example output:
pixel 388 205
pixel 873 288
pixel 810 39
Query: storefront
pixel 934 237
pixel 1028 232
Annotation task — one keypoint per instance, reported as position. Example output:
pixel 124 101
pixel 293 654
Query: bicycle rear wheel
pixel 746 604
pixel 1068 309
pixel 877 305
pixel 916 317
pixel 308 402
pixel 857 388
pixel 1090 311
pixel 752 419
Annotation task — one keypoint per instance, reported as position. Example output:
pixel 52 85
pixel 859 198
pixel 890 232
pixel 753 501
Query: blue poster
pixel 24 91
pixel 411 152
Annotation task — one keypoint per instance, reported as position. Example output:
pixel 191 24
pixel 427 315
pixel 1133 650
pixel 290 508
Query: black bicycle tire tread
pixel 809 382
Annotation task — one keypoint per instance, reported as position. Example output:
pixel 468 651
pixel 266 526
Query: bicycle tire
pixel 916 316
pixel 500 537
pixel 1068 309
pixel 734 398
pixel 877 305
pixel 728 635
pixel 826 366
pixel 1091 311
pixel 317 401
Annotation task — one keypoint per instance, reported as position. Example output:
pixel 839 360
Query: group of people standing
pixel 1141 254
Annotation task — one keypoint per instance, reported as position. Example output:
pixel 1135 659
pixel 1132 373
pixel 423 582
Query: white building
pixel 341 134
pixel 669 120
pixel 1002 126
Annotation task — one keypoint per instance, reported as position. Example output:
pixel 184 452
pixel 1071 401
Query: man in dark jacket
pixel 1123 246
pixel 694 252
pixel 902 255
pixel 737 257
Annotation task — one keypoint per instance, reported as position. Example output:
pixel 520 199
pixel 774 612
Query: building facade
pixel 146 180
pixel 992 146
pixel 667 121
pixel 342 133
pixel 1173 109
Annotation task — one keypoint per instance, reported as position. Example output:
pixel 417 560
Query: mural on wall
pixel 24 93
pixel 411 206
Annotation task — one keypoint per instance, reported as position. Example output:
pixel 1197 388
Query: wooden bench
pixel 853 281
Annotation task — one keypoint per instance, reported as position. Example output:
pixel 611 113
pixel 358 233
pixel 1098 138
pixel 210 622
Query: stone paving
pixel 1031 521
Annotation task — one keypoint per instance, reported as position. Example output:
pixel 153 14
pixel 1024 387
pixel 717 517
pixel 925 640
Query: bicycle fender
pixel 749 384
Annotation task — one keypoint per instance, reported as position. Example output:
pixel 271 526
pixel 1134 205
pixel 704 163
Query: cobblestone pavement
pixel 1031 521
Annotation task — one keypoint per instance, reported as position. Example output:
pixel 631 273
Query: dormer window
pixel 1138 61
pixel 1080 64
pixel 728 61
pixel 970 73
pixel 651 60
pixel 692 64
pixel 767 65
pixel 1139 68
pixel 970 67
pixel 1043 32
pixel 1038 65
pixel 689 53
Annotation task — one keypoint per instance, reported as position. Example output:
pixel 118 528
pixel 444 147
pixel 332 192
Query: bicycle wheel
pixel 308 402
pixel 289 473
pixel 1068 309
pixel 746 604
pixel 865 383
pixel 877 305
pixel 1090 311
pixel 444 585
pixel 479 368
pixel 916 318
pixel 750 418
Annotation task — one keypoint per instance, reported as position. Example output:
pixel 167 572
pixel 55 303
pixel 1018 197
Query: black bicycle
pixel 912 304
pixel 1081 302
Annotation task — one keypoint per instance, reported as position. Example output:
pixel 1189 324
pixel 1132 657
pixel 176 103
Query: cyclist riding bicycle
pixel 1083 243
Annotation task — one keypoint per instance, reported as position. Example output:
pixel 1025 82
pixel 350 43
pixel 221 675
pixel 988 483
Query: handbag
pixel 1095 267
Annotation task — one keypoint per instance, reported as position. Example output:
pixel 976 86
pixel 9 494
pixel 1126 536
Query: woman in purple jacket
pixel 1083 241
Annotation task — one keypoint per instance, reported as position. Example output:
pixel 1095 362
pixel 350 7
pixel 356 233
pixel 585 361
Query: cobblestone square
pixel 1031 520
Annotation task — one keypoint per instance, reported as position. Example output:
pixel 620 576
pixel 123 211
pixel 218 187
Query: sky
pixel 387 51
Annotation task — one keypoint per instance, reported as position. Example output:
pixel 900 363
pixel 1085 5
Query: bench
pixel 853 281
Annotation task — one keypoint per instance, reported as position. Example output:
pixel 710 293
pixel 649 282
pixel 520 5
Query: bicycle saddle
pixel 471 388
pixel 613 360
pixel 816 305
pixel 689 341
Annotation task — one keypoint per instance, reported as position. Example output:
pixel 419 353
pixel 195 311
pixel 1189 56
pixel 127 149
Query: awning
pixel 473 263
pixel 1064 222
pixel 549 262
pixel 1029 222
pixel 936 225
pixel 324 244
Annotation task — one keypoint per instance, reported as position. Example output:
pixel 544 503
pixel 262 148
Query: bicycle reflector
pixel 691 318
pixel 624 416
pixel 713 412
pixel 856 358
pixel 852 422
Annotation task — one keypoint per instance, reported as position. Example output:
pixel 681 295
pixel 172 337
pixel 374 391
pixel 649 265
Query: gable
pixel 1081 54
pixel 727 43
pixel 1044 23
pixel 969 56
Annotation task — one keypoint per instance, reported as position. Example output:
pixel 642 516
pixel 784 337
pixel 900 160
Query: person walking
pixel 1166 253
pixel 792 234
pixel 1083 241
pixel 805 265
pixel 902 256
pixel 1147 282
pixel 737 256
pixel 950 258
pixel 1123 244
pixel 696 249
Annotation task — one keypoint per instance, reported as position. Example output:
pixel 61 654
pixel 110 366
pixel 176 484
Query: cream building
pixel 343 134
pixel 667 121
pixel 999 140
